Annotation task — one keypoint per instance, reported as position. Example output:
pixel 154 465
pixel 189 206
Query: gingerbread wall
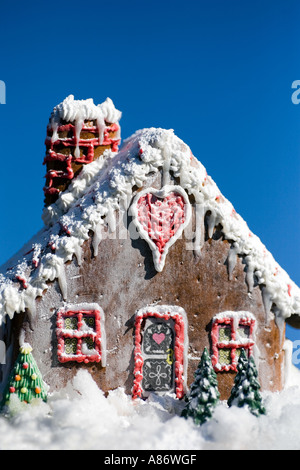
pixel 122 280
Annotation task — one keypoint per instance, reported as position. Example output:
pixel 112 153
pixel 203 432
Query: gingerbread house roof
pixel 106 186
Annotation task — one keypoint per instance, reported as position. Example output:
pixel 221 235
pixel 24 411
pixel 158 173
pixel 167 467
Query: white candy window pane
pixel 71 323
pixel 70 346
pixel 225 356
pixel 89 321
pixel 243 331
pixel 224 333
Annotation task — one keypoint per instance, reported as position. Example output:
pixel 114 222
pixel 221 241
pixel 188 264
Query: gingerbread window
pixel 80 334
pixel 231 332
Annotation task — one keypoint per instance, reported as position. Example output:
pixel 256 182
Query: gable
pixel 107 187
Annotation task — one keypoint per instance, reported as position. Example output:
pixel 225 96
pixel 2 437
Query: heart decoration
pixel 158 337
pixel 160 217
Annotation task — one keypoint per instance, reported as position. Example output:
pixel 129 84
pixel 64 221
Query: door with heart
pixel 160 336
pixel 158 354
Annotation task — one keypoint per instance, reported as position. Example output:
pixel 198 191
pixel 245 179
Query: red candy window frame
pixel 179 327
pixel 80 334
pixel 234 343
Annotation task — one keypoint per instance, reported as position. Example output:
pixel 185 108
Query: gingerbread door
pixel 160 338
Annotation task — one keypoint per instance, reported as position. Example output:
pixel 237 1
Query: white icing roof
pixel 105 186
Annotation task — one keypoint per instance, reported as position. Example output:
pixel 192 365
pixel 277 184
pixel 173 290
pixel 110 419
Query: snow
pixel 81 417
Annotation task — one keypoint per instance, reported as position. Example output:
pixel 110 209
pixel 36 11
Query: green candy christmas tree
pixel 245 391
pixel 25 379
pixel 204 395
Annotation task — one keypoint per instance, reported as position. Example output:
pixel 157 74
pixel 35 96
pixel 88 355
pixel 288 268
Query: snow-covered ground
pixel 81 417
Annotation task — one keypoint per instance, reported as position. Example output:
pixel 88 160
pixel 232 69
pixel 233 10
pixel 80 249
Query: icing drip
pixel 72 117
pixel 232 258
pixel 211 223
pixel 267 301
pixel 75 142
pixel 249 273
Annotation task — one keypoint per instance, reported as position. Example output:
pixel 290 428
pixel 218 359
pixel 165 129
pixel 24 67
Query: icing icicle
pixel 232 258
pixel 249 273
pixel 199 234
pixel 67 149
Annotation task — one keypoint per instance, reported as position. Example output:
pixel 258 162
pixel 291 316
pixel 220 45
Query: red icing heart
pixel 161 217
pixel 158 337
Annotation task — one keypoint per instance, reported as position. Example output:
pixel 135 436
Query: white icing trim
pixel 236 317
pixel 76 189
pixel 72 110
pixel 239 315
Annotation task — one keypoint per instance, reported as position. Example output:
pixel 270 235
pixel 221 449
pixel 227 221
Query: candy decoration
pixel 25 379
pixel 160 217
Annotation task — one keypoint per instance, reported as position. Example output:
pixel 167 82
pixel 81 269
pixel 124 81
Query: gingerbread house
pixel 141 264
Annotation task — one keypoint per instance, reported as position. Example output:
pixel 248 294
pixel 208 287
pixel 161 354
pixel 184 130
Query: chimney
pixel 77 134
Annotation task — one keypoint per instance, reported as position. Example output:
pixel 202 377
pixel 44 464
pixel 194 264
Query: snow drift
pixel 80 417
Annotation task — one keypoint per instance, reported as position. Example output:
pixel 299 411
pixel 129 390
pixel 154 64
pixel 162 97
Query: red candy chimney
pixel 77 134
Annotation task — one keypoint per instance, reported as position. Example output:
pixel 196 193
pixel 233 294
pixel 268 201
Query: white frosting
pixel 240 315
pixel 110 113
pixel 78 111
pixel 110 190
pixel 76 189
pixel 72 110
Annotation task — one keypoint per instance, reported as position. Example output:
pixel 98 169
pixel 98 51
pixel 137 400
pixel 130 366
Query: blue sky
pixel 218 72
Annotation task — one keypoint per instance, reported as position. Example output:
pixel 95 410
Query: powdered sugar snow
pixel 81 417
